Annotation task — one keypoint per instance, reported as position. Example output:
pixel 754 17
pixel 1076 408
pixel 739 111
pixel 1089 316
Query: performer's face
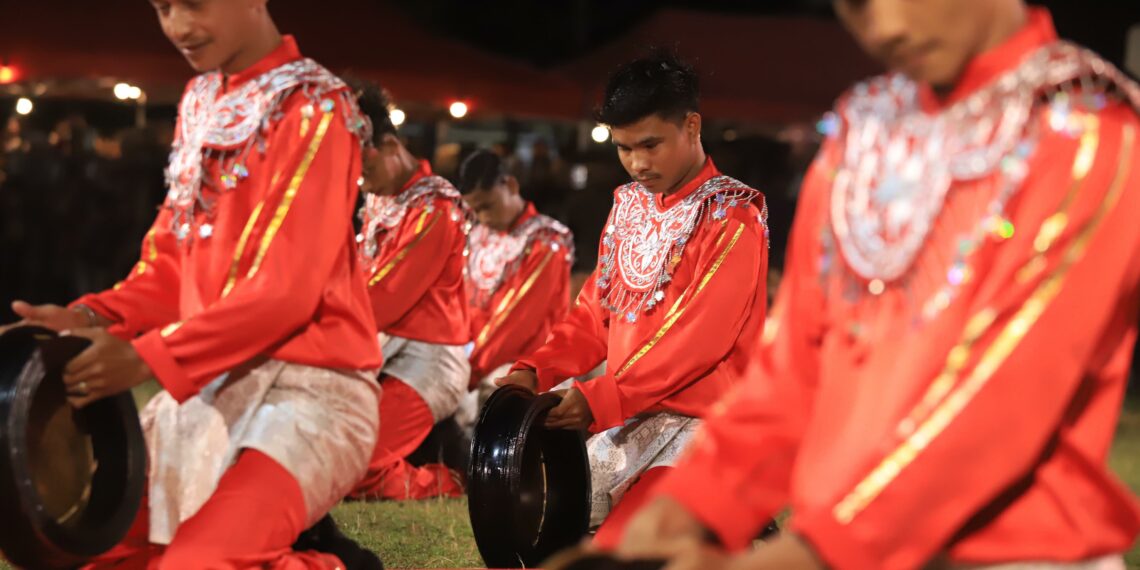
pixel 497 206
pixel 928 40
pixel 209 33
pixel 381 168
pixel 659 152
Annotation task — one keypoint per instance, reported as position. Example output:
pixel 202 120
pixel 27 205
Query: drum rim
pixel 521 411
pixel 31 537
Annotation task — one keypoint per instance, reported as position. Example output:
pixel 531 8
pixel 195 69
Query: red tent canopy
pixel 766 69
pixel 120 40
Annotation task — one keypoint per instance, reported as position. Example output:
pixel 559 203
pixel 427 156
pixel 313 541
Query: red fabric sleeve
pixel 724 479
pixel 576 345
pixel 540 285
pixel 402 279
pixel 148 297
pixel 698 331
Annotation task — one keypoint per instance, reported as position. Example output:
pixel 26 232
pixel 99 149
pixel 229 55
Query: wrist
pixel 88 315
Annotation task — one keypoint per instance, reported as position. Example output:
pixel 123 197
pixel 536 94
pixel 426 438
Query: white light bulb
pixel 397 117
pixel 600 134
pixel 122 91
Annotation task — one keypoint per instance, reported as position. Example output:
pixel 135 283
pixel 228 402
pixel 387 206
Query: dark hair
pixel 481 169
pixel 660 84
pixel 374 103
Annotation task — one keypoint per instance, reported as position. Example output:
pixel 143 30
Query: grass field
pixel 436 533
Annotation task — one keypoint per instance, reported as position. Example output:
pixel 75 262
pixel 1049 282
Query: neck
pixel 517 207
pixel 408 166
pixel 1009 16
pixel 261 44
pixel 690 174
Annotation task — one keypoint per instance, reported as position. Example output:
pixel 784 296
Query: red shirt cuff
pixel 91 301
pixel 546 381
pixel 605 402
pixel 118 327
pixel 157 356
pixel 694 485
pixel 838 546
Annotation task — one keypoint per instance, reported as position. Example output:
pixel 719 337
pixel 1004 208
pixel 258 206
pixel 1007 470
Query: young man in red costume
pixel 269 410
pixel 675 304
pixel 412 245
pixel 943 371
pixel 518 271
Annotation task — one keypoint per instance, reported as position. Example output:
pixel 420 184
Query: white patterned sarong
pixel 319 424
pixel 619 455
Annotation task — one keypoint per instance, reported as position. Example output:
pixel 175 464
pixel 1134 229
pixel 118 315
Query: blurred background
pixel 88 92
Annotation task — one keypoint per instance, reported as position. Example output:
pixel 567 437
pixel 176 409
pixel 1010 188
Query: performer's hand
pixel 107 367
pixel 52 317
pixel 573 413
pixel 525 378
pixel 785 551
pixel 662 529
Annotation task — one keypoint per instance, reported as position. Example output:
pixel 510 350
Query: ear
pixel 512 185
pixel 693 126
pixel 388 143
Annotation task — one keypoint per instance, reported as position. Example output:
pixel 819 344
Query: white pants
pixel 319 424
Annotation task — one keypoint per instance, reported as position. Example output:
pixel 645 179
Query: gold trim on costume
pixel 232 279
pixel 1052 228
pixel 169 329
pixel 151 255
pixel 290 194
pixel 510 301
pixel 420 233
pixel 993 357
pixel 676 311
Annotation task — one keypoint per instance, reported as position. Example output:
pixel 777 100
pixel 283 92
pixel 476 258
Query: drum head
pixel 528 486
pixel 71 481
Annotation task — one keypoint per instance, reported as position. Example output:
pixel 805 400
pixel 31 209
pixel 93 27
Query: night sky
pixel 549 32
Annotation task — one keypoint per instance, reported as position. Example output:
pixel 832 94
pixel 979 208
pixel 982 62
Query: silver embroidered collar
pixel 493 256
pixel 225 126
pixel 381 214
pixel 898 163
pixel 642 243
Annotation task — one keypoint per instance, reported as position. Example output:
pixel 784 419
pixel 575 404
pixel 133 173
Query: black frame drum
pixel 528 486
pixel 71 481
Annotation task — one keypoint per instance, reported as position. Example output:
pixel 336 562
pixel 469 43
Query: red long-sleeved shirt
pixel 416 281
pixel 693 347
pixel 278 277
pixel 532 297
pixel 980 435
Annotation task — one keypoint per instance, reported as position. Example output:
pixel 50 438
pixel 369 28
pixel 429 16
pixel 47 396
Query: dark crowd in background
pixel 76 199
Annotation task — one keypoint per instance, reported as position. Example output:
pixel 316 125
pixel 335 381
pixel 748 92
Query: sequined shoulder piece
pixel 494 256
pixel 381 214
pixel 227 126
pixel 643 243
pixel 897 163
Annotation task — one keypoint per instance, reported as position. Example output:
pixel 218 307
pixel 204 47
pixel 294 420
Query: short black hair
pixel 376 104
pixel 481 169
pixel 659 84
